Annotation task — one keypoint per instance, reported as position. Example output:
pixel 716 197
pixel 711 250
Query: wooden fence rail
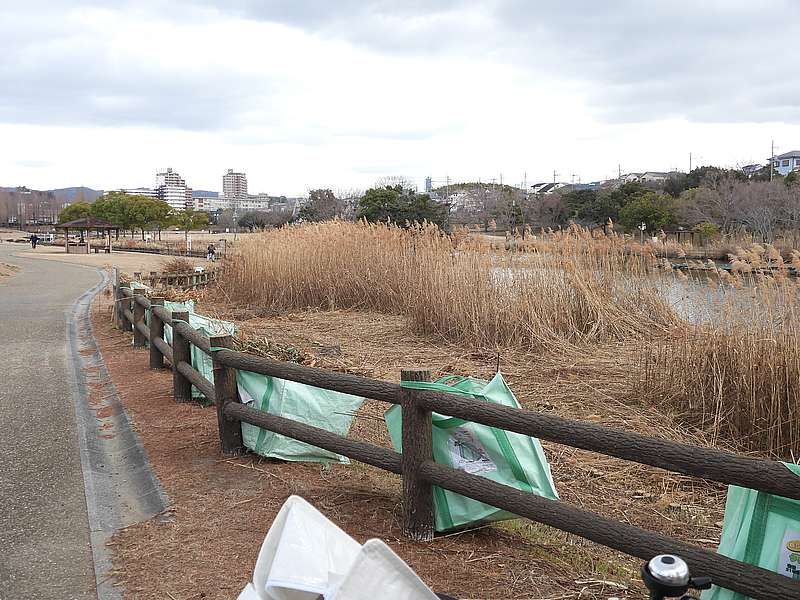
pixel 182 280
pixel 416 464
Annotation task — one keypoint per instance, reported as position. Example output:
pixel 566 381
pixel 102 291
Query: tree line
pixel 132 212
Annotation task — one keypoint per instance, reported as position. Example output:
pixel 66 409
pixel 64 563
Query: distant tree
pixel 675 184
pixel 78 210
pixel 322 205
pixel 653 209
pixel 400 205
pixel 252 220
pixel 395 181
pixel 706 230
pixel 190 220
pixel 381 204
pixel 763 174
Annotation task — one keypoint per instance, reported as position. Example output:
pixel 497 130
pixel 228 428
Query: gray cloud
pixel 727 61
pixel 632 61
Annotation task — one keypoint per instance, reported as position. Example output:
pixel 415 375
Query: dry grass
pixel 458 290
pixel 178 266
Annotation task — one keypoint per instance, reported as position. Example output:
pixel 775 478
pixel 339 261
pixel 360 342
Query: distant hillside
pixel 70 194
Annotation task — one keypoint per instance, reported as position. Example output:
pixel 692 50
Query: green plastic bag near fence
pixel 201 361
pixel 505 457
pixel 762 530
pixel 332 411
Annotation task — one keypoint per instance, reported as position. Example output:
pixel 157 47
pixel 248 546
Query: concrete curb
pixel 121 489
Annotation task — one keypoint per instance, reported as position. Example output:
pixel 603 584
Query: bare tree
pixel 395 180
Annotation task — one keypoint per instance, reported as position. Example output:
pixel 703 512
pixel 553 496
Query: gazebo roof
pixel 87 223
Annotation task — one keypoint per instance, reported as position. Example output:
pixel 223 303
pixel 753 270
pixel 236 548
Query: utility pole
pixel 619 171
pixel 771 159
pixel 690 162
pixel 447 187
pixel 501 180
pixel 554 176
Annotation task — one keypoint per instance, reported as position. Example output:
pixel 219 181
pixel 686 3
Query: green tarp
pixel 505 457
pixel 762 530
pixel 207 326
pixel 332 411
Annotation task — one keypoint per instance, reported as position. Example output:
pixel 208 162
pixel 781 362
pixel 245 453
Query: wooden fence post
pixel 156 332
pixel 226 390
pixel 418 518
pixel 138 317
pixel 119 318
pixel 181 352
pixel 137 276
pixel 125 302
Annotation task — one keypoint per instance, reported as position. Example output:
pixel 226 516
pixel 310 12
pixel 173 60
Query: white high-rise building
pixel 171 188
pixel 234 185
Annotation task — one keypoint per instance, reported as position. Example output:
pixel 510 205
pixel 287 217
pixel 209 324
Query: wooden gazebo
pixel 87 225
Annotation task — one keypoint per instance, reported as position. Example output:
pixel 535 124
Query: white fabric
pixel 377 572
pixel 305 557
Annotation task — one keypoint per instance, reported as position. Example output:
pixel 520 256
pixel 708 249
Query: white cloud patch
pixel 308 93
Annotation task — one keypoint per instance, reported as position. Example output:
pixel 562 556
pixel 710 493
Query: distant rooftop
pixel 792 154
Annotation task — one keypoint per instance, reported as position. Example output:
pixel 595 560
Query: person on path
pixel 34 241
pixel 211 253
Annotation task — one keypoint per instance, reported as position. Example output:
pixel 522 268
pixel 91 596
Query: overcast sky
pixel 321 93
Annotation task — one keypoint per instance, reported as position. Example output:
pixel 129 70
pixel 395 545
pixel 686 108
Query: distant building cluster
pixel 786 162
pixel 172 189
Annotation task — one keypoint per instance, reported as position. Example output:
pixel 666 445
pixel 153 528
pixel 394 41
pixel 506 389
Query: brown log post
pixel 137 276
pixel 226 390
pixel 125 303
pixel 119 318
pixel 418 518
pixel 139 339
pixel 181 352
pixel 156 332
pixel 153 278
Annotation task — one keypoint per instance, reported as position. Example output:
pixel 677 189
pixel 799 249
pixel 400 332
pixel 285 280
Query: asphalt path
pixel 45 543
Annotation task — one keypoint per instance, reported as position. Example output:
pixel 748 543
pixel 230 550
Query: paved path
pixel 44 535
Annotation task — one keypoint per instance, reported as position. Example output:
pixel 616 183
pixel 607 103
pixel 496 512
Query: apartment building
pixel 234 185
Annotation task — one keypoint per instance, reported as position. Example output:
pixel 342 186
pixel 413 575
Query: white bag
pixel 377 572
pixel 305 557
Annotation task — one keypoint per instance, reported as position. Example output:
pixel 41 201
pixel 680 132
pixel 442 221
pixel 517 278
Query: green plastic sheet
pixel 762 530
pixel 314 406
pixel 509 458
pixel 201 361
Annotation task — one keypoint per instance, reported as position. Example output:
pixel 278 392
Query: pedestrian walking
pixel 34 241
pixel 211 253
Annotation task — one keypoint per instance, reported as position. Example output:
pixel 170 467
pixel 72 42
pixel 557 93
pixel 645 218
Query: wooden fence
pixel 420 473
pixel 182 280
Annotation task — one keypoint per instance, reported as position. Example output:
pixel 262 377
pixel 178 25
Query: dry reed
pixel 459 290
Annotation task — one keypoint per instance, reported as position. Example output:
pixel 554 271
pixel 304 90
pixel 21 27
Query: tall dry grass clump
pixel 738 376
pixel 456 288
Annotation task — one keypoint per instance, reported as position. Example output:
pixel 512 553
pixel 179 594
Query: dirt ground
pixel 128 262
pixel 221 508
pixel 7 270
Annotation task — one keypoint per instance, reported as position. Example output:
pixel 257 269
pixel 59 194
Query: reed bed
pixel 564 294
pixel 459 290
